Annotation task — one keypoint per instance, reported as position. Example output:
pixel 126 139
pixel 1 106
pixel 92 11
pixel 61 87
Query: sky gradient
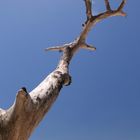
pixel 103 101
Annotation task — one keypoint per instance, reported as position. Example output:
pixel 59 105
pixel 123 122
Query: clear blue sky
pixel 103 101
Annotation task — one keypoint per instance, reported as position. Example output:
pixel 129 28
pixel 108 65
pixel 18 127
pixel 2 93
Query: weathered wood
pixel 19 121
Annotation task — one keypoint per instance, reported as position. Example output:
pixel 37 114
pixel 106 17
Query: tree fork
pixel 19 121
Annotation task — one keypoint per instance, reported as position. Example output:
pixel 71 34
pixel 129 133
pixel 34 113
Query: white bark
pixel 19 121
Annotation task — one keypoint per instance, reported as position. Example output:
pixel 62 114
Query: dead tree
pixel 19 121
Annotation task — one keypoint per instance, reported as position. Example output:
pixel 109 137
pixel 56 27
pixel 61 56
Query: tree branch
pixel 88 8
pixel 120 8
pixel 59 48
pixel 88 47
pixel 95 19
pixel 108 8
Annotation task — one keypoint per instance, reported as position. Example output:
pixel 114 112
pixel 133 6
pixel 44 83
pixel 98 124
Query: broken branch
pixel 88 47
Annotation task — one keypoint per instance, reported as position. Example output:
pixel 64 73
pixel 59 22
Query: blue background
pixel 103 101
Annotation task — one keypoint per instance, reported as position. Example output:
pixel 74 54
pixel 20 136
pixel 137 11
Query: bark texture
pixel 19 121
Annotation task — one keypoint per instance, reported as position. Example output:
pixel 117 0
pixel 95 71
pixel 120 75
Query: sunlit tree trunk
pixel 19 121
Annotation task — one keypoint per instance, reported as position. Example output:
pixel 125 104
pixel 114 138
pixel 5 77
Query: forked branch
pixel 91 21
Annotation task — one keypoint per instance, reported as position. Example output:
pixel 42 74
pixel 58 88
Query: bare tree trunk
pixel 19 121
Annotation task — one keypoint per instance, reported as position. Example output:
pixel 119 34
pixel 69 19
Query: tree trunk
pixel 19 121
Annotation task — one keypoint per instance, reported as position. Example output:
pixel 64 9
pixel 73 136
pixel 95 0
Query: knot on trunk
pixel 67 79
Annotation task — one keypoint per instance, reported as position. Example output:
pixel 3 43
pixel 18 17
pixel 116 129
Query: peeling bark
pixel 19 121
